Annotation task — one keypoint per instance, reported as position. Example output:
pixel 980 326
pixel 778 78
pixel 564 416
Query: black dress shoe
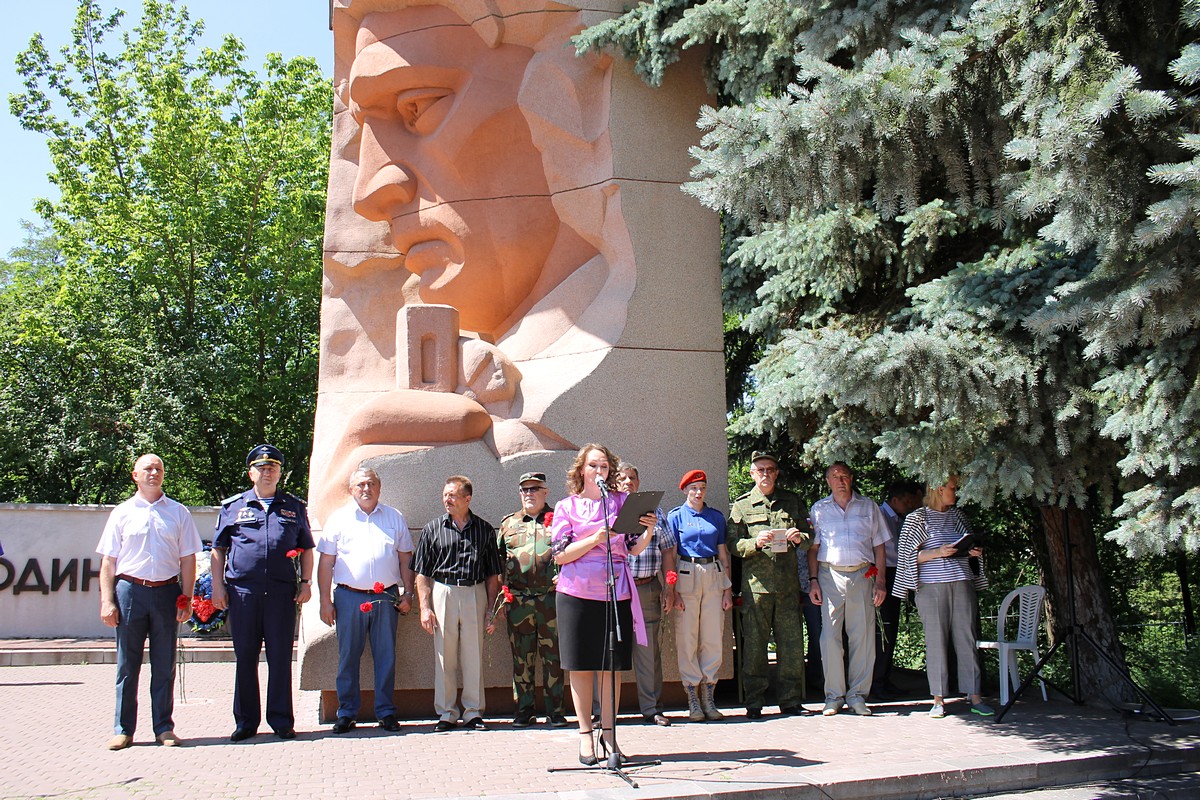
pixel 343 725
pixel 791 711
pixel 286 733
pixel 523 720
pixel 475 724
pixel 558 721
pixel 753 713
pixel 390 723
pixel 444 725
pixel 657 719
pixel 242 734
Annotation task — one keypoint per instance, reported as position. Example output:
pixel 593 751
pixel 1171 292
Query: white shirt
pixel 366 547
pixel 894 524
pixel 847 538
pixel 149 539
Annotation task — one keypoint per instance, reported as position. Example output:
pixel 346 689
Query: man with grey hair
pixel 657 597
pixel 848 578
pixel 366 552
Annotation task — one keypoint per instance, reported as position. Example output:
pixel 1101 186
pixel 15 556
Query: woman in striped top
pixel 945 583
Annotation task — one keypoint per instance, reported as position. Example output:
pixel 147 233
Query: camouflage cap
pixel 529 477
pixel 759 455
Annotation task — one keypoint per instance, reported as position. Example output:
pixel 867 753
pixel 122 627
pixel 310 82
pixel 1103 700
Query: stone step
pixel 49 652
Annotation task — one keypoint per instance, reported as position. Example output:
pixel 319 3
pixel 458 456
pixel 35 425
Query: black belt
pixel 458 581
pixel 362 591
pixel 644 581
pixel 708 560
pixel 143 582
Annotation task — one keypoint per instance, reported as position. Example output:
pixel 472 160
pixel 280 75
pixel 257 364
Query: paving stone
pixel 57 719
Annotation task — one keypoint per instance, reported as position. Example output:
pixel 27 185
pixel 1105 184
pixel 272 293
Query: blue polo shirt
pixel 698 532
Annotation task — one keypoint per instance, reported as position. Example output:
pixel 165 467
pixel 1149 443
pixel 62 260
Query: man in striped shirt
pixel 458 568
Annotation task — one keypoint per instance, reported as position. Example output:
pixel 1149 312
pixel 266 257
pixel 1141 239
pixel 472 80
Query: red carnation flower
pixel 294 553
pixel 366 607
pixel 205 610
pixel 672 577
pixel 872 572
pixel 548 519
pixel 378 587
pixel 182 602
pixel 508 595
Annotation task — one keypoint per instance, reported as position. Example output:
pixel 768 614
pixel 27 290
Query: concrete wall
pixel 50 570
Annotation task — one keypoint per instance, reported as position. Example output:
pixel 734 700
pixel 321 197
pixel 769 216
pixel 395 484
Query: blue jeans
pixel 145 611
pixel 354 629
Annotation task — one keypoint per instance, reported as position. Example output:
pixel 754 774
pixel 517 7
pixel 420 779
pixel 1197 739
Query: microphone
pixel 602 485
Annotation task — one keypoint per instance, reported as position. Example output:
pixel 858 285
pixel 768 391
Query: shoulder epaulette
pixel 229 500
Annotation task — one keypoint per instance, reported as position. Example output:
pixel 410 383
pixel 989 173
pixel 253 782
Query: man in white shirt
pixel 147 573
pixel 366 552
pixel 848 569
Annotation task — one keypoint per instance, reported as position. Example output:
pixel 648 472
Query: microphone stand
pixel 612 634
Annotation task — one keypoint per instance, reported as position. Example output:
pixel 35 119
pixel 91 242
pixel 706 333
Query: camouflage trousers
pixel 763 614
pixel 533 632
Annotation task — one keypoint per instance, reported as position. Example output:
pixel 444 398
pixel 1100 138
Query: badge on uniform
pixel 287 512
pixel 246 515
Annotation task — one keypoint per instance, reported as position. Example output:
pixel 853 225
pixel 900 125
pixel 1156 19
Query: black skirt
pixel 583 634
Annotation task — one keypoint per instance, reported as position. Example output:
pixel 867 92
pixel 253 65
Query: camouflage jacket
pixel 764 572
pixel 524 540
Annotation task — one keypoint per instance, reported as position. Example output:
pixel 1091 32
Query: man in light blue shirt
pixel 848 568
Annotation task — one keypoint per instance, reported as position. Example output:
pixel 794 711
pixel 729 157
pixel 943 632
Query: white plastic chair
pixel 1029 616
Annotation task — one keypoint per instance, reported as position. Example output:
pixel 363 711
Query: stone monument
pixel 511 271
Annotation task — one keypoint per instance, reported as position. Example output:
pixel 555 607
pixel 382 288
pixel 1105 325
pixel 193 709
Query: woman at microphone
pixel 581 538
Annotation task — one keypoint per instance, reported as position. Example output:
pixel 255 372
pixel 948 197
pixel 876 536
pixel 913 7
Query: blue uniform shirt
pixel 256 540
pixel 698 532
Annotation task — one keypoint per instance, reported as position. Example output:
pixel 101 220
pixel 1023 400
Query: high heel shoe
pixel 606 747
pixel 590 759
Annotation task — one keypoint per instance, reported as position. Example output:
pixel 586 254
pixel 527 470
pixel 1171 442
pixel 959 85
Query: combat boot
pixel 695 712
pixel 708 703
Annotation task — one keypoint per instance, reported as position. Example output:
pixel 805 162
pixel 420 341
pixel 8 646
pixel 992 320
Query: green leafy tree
pixel 173 304
pixel 968 244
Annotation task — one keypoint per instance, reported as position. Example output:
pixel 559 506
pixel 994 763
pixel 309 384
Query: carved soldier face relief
pixel 447 160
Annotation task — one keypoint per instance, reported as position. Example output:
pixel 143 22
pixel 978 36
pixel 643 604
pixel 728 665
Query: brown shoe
pixel 169 739
pixel 119 742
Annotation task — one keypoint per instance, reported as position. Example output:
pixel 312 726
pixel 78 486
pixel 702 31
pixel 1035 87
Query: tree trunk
pixel 1098 681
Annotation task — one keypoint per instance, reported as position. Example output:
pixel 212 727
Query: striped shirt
pixel 913 537
pixel 457 558
pixel 648 563
pixel 944 528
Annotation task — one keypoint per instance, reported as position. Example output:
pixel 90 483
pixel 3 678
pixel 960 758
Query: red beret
pixel 692 477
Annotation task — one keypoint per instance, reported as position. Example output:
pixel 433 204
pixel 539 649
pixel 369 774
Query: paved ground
pixel 57 719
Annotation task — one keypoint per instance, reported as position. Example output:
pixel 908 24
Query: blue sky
pixel 290 27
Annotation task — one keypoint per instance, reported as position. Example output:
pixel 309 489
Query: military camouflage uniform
pixel 529 571
pixel 770 595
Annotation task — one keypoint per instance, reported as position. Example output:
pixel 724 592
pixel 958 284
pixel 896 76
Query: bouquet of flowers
pixel 294 555
pixel 505 597
pixel 380 589
pixel 870 574
pixel 205 616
